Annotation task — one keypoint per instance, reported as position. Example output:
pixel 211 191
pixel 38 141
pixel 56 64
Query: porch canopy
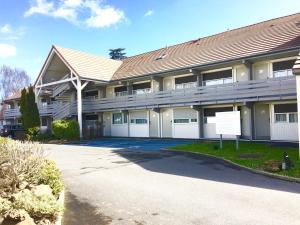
pixel 67 66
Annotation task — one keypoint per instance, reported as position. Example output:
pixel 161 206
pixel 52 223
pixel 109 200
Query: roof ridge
pixel 84 52
pixel 235 29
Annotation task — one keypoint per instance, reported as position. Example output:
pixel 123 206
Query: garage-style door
pixel 185 123
pixel 139 124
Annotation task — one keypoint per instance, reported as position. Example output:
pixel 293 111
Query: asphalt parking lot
pixel 134 181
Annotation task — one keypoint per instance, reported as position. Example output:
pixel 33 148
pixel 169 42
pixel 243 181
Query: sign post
pixel 228 123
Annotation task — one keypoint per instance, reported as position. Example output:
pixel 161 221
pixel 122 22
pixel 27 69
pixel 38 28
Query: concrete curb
pixel 61 200
pixel 277 176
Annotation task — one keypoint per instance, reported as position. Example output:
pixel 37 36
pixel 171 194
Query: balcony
pixel 282 88
pixel 283 73
pixel 44 110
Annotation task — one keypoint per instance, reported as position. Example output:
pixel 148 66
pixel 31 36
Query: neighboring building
pixel 170 92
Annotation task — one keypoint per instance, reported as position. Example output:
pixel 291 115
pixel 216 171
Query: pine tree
pixel 117 53
pixel 29 110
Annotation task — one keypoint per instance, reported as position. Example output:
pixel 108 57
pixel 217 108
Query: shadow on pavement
pixel 80 213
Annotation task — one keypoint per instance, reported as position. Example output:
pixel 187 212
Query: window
pixel 139 121
pixel 286 113
pixel 283 68
pixel 185 82
pixel 217 78
pixel 91 117
pixel 181 120
pixel 91 94
pixel 280 118
pixel 117 118
pixel 293 117
pixel 193 120
pixel 44 122
pixel 121 91
pixel 141 88
pixel 211 112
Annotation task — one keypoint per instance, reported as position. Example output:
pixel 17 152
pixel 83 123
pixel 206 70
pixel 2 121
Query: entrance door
pixel 262 122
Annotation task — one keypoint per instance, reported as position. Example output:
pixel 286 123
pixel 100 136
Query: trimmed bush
pixel 50 175
pixel 65 129
pixel 37 206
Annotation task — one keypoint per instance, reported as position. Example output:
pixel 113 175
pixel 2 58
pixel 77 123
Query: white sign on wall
pixel 228 123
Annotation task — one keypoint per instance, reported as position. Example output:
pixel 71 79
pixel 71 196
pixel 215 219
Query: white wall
pixel 119 130
pixel 284 131
pixel 139 130
pixel 190 130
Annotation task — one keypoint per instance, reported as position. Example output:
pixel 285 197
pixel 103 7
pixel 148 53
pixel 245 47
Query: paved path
pixel 116 183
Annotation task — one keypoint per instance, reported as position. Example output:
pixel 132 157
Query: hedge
pixel 65 129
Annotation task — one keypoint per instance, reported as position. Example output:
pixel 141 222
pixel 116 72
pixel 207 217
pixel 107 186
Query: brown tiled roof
pixel 16 95
pixel 261 38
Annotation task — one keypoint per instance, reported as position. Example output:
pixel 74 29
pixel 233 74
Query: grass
pixel 252 155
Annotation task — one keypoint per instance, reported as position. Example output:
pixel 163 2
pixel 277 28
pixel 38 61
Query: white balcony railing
pixel 221 81
pixel 283 73
pixel 185 85
pixel 142 91
pixel 121 93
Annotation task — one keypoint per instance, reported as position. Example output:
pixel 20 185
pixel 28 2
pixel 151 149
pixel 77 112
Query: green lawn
pixel 251 154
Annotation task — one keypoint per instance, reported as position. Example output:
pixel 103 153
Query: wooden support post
pixel 79 105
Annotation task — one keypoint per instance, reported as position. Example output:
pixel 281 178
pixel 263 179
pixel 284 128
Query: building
pixel 170 92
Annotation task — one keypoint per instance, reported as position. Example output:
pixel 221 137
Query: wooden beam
pixel 56 82
pixel 79 105
pixel 84 85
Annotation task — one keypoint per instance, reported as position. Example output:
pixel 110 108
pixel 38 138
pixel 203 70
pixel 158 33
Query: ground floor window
pixel 185 120
pixel 139 121
pixel 119 118
pixel 285 113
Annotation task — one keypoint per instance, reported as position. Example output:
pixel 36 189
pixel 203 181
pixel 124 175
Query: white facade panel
pixel 190 130
pixel 119 130
pixel 210 132
pixel 284 131
pixel 138 130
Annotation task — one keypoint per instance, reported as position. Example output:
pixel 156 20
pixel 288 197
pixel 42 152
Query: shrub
pixel 5 206
pixel 50 175
pixel 66 129
pixel 37 206
pixel 19 161
pixel 272 165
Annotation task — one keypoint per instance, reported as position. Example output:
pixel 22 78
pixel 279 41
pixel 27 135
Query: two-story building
pixel 171 92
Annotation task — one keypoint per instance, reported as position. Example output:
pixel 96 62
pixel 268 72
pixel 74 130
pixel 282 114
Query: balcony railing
pixel 239 92
pixel 186 85
pixel 283 88
pixel 283 73
pixel 141 91
pixel 221 81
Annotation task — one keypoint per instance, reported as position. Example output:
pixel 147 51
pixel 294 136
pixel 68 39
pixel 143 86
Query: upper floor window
pixel 44 102
pixel 285 113
pixel 142 88
pixel 283 68
pixel 121 91
pixel 93 94
pixel 185 82
pixel 217 78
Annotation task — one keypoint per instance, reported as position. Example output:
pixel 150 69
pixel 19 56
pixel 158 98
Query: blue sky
pixel 28 28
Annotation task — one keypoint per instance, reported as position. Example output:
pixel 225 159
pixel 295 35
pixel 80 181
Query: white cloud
pixel 40 7
pixel 5 29
pixel 7 50
pixel 103 16
pixel 91 12
pixel 149 13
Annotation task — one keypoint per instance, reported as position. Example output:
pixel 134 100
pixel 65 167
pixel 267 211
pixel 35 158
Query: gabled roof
pixel 87 65
pixel 280 34
pixel 261 38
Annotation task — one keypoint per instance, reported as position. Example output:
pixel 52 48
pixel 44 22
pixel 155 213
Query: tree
pixel 29 111
pixel 12 80
pixel 117 53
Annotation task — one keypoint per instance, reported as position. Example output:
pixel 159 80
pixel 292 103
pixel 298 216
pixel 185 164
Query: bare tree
pixel 12 80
